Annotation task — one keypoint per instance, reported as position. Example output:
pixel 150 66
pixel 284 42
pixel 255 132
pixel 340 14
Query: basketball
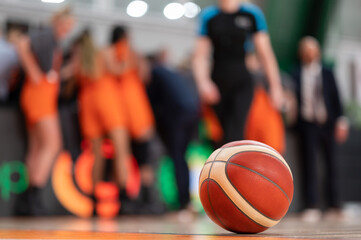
pixel 246 187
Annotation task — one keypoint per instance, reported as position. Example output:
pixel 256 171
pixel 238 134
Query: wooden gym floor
pixel 167 228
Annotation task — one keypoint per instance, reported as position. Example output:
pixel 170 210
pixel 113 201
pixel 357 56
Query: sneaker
pixel 311 215
pixel 22 206
pixel 36 203
pixel 151 201
pixel 335 215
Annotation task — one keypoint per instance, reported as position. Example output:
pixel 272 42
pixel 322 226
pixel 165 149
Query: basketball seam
pixel 210 179
pixel 288 199
pixel 210 169
pixel 249 151
pixel 209 198
pixel 225 169
pixel 215 162
pixel 210 202
pixel 249 145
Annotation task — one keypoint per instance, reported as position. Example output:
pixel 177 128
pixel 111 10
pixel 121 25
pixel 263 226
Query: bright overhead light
pixel 137 8
pixel 173 11
pixel 52 1
pixel 191 10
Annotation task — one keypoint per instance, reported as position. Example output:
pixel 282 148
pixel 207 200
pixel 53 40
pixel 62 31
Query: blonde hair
pixel 62 13
pixel 88 54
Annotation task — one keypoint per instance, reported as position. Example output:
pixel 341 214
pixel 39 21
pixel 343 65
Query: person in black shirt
pixel 227 29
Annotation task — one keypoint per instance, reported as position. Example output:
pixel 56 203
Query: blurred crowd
pixel 133 99
pixel 121 96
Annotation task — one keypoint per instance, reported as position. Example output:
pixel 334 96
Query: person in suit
pixel 321 124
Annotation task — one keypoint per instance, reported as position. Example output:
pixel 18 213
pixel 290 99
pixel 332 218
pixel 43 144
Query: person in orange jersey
pixel 100 112
pixel 126 66
pixel 270 131
pixel 130 70
pixel 41 56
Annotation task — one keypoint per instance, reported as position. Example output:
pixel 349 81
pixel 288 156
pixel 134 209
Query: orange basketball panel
pixel 205 199
pixel 267 166
pixel 261 193
pixel 232 218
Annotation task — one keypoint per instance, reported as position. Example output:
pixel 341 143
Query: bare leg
pixel 31 156
pixel 147 135
pixel 99 163
pixel 120 141
pixel 45 146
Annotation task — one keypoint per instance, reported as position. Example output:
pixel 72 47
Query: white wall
pixel 348 70
pixel 148 33
pixel 343 46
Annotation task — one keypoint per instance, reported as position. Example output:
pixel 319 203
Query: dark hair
pixel 17 25
pixel 119 32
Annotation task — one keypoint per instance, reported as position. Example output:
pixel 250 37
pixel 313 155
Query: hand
pixel 290 107
pixel 209 92
pixel 277 97
pixel 23 44
pixel 341 130
pixel 52 76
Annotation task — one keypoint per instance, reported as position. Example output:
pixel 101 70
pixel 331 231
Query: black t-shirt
pixel 43 44
pixel 231 33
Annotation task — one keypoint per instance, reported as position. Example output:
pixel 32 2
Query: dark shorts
pixel 236 88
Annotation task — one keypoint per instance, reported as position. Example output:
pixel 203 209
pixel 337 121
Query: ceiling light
pixel 137 8
pixel 173 11
pixel 52 1
pixel 191 10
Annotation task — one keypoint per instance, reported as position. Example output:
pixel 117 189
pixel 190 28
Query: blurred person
pixel 128 68
pixel 177 109
pixel 9 61
pixel 272 131
pixel 40 56
pixel 226 29
pixel 320 124
pixel 100 112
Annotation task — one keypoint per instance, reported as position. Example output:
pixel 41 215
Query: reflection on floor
pixel 166 227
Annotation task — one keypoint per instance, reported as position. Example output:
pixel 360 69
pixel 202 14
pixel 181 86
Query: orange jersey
pixel 269 130
pixel 133 96
pixel 100 111
pixel 123 50
pixel 39 100
pixel 135 102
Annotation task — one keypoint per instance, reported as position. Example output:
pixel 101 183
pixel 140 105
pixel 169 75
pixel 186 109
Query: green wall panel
pixel 290 20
